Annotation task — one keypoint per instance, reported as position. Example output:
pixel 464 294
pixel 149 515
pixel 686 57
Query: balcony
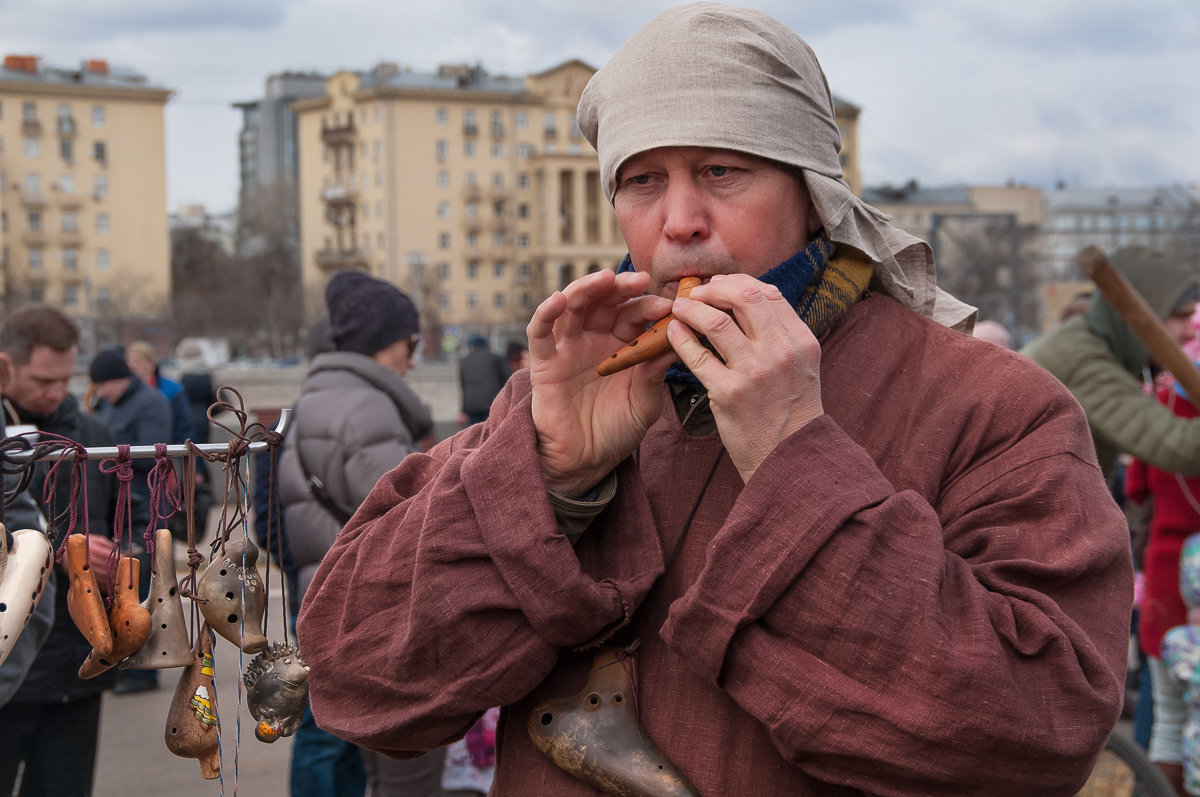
pixel 340 194
pixel 470 129
pixel 31 127
pixel 35 237
pixel 340 135
pixel 70 238
pixel 34 199
pixel 341 259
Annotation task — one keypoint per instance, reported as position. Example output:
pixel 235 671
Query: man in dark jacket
pixel 481 374
pixel 52 722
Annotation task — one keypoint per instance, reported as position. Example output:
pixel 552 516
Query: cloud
pixel 73 21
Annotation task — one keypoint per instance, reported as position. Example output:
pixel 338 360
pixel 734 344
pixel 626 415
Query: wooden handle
pixel 650 343
pixel 1134 311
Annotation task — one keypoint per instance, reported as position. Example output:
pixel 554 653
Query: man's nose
pixel 685 212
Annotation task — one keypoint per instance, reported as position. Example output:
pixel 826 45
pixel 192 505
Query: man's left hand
pixel 769 385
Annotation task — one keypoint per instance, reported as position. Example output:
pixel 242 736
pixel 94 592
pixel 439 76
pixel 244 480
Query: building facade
pixel 986 241
pixel 83 207
pixel 476 193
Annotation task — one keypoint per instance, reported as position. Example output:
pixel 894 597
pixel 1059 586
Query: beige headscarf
pixel 712 75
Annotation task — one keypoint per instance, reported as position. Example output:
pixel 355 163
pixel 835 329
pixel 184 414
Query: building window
pixel 472 301
pixel 523 210
pixel 444 240
pixel 35 258
pixel 37 293
pixel 469 121
pixel 523 180
pixel 497 149
pixel 472 270
pixel 498 269
pixel 469 148
pixel 31 147
pixel 443 271
pixel 100 187
pixel 469 178
pixel 524 272
pixel 548 125
pixel 66 148
pixel 104 296
pixel 35 220
pixel 102 222
pixel 498 209
pixel 525 152
pixel 498 300
pixel 471 209
pixel 441 117
pixel 443 210
pixel 498 240
pixel 443 149
pixel 522 119
pixel 103 262
pixel 523 241
pixel 526 301
pixel 444 301
pixel 443 179
pixel 33 184
pixel 70 222
pixel 498 179
pixel 97 116
pixel 472 240
pixel 70 259
pixel 66 184
pixel 100 152
pixel 71 296
pixel 29 111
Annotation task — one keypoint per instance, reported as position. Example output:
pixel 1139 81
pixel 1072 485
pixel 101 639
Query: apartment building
pixel 475 192
pixel 83 208
pixel 986 241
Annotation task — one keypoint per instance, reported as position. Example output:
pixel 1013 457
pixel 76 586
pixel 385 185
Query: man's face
pixel 692 211
pixel 111 389
pixel 41 384
pixel 1180 325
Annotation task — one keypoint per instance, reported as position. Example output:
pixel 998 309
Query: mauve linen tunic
pixel 925 591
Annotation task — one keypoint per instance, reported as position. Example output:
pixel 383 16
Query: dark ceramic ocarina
pixel 234 599
pixel 596 736
pixel 276 691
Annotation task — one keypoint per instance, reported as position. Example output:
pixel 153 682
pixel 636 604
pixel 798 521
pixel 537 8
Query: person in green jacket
pixel 1102 362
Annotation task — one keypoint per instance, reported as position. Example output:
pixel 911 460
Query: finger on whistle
pixel 650 343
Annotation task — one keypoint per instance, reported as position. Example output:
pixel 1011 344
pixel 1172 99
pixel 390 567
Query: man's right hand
pixel 587 424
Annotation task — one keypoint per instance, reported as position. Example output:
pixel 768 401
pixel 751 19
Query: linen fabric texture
pixel 717 76
pixel 913 552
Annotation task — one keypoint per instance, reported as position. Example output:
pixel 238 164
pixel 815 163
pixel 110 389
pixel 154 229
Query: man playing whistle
pixel 846 547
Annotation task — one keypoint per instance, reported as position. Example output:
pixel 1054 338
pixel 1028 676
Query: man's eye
pixel 640 179
pixel 718 171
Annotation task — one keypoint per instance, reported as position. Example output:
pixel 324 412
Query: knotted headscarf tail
pixel 717 76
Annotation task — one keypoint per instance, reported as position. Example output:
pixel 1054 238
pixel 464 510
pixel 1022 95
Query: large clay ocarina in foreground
pixel 596 736
pixel 24 570
pixel 128 620
pixel 84 601
pixel 276 691
pixel 168 643
pixel 233 597
pixel 192 729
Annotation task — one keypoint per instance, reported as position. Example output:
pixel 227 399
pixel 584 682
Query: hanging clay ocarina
pixel 192 729
pixel 128 620
pixel 276 690
pixel 597 737
pixel 84 602
pixel 24 571
pixel 168 643
pixel 234 600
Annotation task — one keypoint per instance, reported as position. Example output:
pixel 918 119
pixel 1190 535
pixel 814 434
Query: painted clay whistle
pixel 234 599
pixel 128 620
pixel 84 602
pixel 596 736
pixel 276 691
pixel 650 343
pixel 192 729
pixel 168 643
pixel 25 567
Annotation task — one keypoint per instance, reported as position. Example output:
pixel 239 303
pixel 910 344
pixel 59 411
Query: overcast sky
pixel 1090 92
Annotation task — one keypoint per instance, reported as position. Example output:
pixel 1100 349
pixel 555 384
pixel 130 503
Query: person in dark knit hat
pixel 355 419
